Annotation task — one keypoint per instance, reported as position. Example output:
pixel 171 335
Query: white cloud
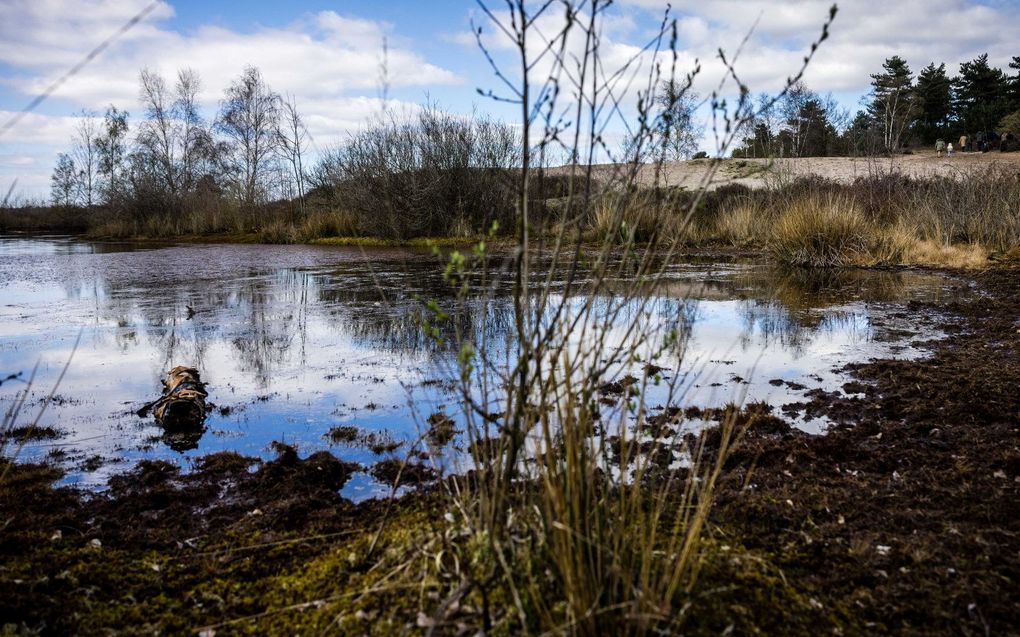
pixel 863 35
pixel 323 55
pixel 331 63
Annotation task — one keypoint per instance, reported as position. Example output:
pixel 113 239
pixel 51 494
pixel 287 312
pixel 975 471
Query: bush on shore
pixel 958 221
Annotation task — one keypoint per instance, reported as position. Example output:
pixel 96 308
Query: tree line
pixel 902 109
pixel 247 167
pixel 172 160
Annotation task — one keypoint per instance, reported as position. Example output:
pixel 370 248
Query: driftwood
pixel 182 405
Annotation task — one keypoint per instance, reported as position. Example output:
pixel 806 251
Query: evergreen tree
pixel 893 104
pixel 863 138
pixel 980 95
pixel 934 97
pixel 1013 85
pixel 809 132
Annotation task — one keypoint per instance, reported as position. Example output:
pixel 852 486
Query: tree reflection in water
pixel 298 328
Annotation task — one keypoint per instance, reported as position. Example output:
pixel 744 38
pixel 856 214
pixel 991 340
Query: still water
pixel 296 340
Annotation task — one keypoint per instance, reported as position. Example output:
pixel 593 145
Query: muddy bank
pixel 907 516
pixel 903 520
pixel 161 552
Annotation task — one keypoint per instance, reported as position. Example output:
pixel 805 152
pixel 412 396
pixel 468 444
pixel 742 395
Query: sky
pixel 328 55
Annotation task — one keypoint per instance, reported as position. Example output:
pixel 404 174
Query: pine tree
pixel 893 104
pixel 1013 85
pixel 980 95
pixel 934 97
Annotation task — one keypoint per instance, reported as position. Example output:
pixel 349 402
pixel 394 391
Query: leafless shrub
pixel 425 175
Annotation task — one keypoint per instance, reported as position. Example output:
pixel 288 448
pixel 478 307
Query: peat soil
pixel 906 516
pixel 904 519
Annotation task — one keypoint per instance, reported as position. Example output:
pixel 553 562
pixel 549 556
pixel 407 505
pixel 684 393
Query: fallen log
pixel 182 405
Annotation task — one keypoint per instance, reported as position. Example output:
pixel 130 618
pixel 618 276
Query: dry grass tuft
pixel 327 223
pixel 821 232
pixel 741 224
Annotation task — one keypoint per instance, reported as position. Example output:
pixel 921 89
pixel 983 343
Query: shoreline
pixel 902 519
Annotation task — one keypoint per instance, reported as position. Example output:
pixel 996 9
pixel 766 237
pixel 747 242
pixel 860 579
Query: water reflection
pixel 295 340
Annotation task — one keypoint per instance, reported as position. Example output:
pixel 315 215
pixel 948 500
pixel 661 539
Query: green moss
pixel 744 591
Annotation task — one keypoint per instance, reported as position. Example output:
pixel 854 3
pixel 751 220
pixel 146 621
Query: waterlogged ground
pixel 296 341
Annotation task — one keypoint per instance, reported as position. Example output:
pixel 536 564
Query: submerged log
pixel 182 405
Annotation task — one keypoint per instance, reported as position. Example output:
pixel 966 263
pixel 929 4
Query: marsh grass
pixel 960 221
pixel 820 231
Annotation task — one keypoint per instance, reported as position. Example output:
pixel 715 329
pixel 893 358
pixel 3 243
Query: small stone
pixel 95 543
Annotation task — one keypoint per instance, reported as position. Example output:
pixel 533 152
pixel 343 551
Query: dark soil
pixel 31 432
pixel 441 429
pixel 908 515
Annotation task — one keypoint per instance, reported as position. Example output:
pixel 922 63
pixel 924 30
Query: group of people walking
pixel 979 143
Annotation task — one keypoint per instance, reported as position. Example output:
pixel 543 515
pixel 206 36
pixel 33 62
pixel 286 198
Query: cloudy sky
pixel 328 54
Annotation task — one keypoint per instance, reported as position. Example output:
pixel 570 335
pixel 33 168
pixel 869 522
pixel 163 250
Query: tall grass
pixel 821 231
pixel 958 221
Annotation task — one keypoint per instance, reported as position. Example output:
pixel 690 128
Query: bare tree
pixel 795 107
pixel 111 152
pixel 292 138
pixel 86 157
pixel 196 142
pixel 249 116
pixel 159 132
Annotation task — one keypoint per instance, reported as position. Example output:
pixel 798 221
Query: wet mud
pixel 906 515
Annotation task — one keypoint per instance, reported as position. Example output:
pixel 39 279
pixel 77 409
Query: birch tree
pixel 292 139
pixel 85 156
pixel 248 119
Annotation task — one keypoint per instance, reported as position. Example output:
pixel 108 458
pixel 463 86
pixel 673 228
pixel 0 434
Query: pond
pixel 297 340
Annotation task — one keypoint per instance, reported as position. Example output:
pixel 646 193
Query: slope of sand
pixel 757 173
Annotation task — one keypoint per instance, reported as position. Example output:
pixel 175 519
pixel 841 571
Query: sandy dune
pixel 760 172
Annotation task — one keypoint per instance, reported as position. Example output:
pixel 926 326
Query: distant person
pixel 939 147
pixel 949 149
pixel 963 143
